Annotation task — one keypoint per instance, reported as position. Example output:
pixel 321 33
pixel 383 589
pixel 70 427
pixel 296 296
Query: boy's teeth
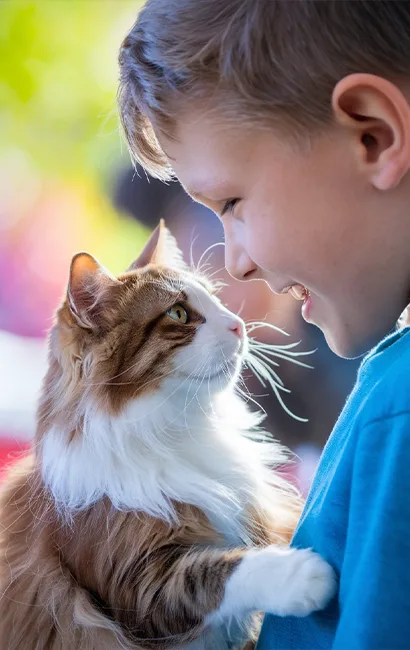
pixel 298 292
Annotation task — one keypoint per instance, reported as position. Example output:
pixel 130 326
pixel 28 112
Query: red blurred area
pixel 11 450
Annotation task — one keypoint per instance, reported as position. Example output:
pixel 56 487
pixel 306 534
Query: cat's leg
pixel 184 593
pixel 279 581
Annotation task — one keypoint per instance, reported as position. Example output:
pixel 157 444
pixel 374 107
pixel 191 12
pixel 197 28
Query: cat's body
pixel 136 523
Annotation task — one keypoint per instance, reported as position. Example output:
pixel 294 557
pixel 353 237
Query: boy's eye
pixel 178 313
pixel 229 206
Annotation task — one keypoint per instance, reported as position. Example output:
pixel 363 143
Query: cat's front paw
pixel 281 581
pixel 309 586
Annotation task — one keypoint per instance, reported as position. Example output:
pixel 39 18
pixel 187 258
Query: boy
pixel 291 120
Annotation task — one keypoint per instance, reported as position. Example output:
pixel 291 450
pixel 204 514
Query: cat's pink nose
pixel 236 328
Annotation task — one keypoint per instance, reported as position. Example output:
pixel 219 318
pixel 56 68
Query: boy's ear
pixel 86 288
pixel 378 115
pixel 161 249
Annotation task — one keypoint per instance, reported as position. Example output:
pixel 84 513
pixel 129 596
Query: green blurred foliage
pixel 58 78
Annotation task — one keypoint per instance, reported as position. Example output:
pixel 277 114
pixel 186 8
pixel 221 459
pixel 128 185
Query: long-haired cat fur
pixel 147 516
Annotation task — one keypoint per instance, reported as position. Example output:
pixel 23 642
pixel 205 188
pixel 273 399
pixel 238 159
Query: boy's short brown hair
pixel 254 61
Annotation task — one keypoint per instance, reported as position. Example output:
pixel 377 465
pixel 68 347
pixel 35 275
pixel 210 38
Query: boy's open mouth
pixel 302 294
pixel 299 292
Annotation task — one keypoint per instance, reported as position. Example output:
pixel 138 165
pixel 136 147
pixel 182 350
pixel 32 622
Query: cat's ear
pixel 87 287
pixel 161 249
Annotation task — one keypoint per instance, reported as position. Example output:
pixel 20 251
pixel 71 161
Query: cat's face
pixel 159 322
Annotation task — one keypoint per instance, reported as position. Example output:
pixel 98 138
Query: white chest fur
pixel 158 451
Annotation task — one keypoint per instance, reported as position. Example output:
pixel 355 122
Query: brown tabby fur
pixel 107 579
pixel 103 579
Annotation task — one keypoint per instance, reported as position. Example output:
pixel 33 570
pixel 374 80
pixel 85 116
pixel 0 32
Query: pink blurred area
pixel 34 255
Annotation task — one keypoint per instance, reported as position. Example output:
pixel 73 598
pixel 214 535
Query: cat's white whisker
pixel 241 308
pixel 256 324
pixel 191 248
pixel 255 349
pixel 253 365
pixel 206 251
pixel 247 396
pixel 256 355
pixel 265 371
pixel 273 349
pixel 286 356
pixel 210 276
pixel 276 346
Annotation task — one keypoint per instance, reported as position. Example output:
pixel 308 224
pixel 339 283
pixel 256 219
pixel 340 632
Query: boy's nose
pixel 239 265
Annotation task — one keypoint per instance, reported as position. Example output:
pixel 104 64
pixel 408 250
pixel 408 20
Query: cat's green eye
pixel 178 313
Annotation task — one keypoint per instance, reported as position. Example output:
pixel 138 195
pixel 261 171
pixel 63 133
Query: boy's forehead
pixel 206 160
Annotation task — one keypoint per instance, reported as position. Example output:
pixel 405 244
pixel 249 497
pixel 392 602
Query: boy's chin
pixel 351 345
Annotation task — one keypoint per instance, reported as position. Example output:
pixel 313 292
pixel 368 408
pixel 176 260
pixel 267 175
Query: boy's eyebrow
pixel 196 190
pixel 197 196
pixel 195 193
pixel 206 191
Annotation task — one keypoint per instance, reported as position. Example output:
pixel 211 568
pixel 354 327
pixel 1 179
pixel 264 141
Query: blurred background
pixel 66 185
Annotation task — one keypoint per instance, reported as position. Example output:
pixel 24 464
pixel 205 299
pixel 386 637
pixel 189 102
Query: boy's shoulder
pixel 383 384
pixel 378 404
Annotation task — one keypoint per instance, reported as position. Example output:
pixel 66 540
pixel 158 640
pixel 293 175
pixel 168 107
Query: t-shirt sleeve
pixel 375 574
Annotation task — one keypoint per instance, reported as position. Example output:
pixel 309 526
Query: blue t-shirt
pixel 357 516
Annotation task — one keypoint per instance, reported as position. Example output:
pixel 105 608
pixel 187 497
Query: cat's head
pixel 119 338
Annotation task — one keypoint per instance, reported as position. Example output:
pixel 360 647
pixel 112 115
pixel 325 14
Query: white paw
pixel 309 586
pixel 285 582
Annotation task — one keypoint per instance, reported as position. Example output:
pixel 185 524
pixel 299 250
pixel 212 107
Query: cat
pixel 148 516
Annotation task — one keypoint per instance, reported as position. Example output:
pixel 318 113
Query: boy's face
pixel 305 217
